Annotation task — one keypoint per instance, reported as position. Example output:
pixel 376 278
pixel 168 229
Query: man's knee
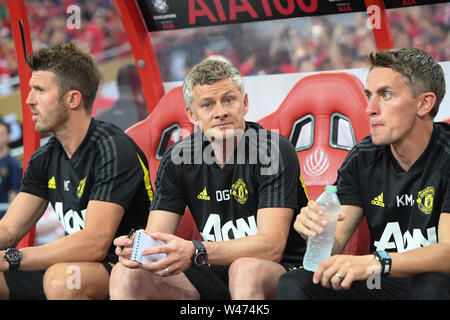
pixel 246 270
pixel 431 286
pixel 120 281
pixel 70 281
pixel 56 280
pixel 139 284
pixel 252 278
pixel 294 285
pixel 127 283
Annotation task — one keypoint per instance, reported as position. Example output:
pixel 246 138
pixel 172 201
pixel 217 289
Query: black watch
pixel 13 256
pixel 200 256
pixel 385 260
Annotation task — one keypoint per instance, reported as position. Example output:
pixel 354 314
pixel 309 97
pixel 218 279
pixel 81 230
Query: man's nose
pixel 372 107
pixel 30 98
pixel 220 110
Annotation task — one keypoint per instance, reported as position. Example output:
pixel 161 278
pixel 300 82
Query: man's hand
pixel 348 269
pixel 310 221
pixel 124 246
pixel 178 255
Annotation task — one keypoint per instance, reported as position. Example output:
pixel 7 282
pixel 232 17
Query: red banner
pixel 177 14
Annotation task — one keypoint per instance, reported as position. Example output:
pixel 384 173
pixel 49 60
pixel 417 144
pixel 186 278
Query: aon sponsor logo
pixel 72 221
pixel 215 231
pixel 392 238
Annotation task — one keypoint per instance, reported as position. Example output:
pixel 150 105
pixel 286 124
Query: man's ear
pixel 426 103
pixel 73 99
pixel 189 114
pixel 245 104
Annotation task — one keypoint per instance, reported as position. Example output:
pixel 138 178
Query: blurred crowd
pixel 302 44
pixel 100 30
pixel 278 46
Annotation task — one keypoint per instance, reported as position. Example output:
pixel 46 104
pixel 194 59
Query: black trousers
pixel 298 285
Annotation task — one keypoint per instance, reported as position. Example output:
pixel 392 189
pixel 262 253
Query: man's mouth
pixel 376 125
pixel 221 125
pixel 34 116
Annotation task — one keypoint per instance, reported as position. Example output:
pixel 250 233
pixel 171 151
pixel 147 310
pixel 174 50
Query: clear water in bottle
pixel 319 248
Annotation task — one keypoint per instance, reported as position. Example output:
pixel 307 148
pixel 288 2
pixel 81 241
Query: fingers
pixel 330 273
pixel 124 246
pixel 177 259
pixel 323 271
pixel 164 267
pixel 337 280
pixel 340 271
pixel 310 222
pixel 122 243
pixel 177 254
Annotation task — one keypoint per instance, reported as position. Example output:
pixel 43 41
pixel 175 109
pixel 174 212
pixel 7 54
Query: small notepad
pixel 141 242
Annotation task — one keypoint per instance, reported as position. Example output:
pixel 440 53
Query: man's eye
pixel 386 95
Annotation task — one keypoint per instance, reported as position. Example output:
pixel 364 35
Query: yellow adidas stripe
pixel 147 183
pixel 303 186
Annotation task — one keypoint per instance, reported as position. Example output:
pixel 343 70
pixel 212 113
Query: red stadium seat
pixel 445 120
pixel 323 116
pixel 154 134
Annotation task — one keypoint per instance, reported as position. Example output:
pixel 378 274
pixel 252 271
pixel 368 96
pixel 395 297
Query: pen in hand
pixel 130 234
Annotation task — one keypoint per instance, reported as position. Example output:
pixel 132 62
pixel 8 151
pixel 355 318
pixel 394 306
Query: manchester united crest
pixel 239 191
pixel 425 200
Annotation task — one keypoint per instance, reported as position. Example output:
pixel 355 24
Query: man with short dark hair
pixel 93 175
pixel 399 179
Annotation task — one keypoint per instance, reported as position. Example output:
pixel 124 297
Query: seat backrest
pixel 323 116
pixel 446 120
pixel 166 124
pixel 312 117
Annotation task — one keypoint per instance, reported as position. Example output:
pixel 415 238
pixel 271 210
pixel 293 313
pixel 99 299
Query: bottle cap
pixel 331 188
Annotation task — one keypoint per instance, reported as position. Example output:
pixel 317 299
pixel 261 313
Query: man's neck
pixel 409 150
pixel 224 149
pixel 73 134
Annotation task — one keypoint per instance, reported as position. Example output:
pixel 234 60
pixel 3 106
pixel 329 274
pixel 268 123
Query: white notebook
pixel 141 242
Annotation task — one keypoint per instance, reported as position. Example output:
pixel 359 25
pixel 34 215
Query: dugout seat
pixel 166 124
pixel 324 116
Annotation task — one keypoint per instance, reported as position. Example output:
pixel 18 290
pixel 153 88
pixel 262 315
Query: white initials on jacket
pixel 214 232
pixel 406 241
pixel 71 220
pixel 405 200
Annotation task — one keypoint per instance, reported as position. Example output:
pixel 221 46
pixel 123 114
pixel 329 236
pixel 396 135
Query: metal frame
pixel 383 35
pixel 145 57
pixel 22 43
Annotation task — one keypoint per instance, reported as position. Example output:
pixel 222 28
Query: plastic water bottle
pixel 319 248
